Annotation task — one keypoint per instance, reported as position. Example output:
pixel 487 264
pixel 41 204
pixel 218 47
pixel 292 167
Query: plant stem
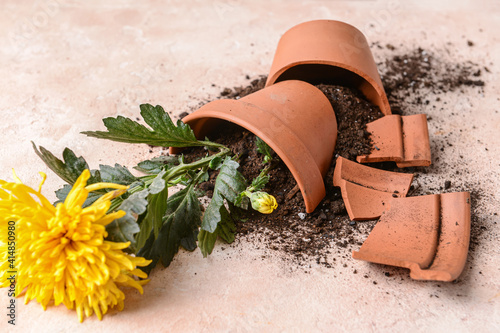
pixel 173 173
pixel 182 168
pixel 208 143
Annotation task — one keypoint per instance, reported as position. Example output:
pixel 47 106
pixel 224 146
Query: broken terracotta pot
pixel 427 234
pixel 326 51
pixel 401 139
pixel 367 191
pixel 294 118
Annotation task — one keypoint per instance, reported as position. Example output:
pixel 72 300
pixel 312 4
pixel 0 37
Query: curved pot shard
pixel 401 139
pixel 326 51
pixel 368 191
pixel 294 118
pixel 427 234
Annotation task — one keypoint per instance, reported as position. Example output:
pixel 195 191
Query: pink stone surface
pixel 66 64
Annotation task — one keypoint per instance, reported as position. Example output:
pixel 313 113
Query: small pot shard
pixel 427 234
pixel 326 51
pixel 400 139
pixel 367 191
pixel 294 118
pixel 454 239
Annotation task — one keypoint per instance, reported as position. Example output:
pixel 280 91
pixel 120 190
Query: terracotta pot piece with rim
pixel 293 117
pixel 326 51
pixel 367 191
pixel 427 234
pixel 401 139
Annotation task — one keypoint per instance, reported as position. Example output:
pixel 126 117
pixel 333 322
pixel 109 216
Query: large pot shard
pixel 294 118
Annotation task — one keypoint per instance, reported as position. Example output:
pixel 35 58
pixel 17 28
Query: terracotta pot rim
pixel 309 177
pixel 324 20
pixel 289 54
pixel 255 130
pixel 355 71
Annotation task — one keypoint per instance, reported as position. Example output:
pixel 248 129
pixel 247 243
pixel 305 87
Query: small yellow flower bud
pixel 263 202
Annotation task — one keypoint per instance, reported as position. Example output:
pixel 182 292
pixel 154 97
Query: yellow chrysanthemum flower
pixel 61 252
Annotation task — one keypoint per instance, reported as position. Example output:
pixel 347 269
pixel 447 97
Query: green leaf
pixel 260 181
pixel 158 184
pixel 181 222
pixel 164 132
pixel 117 174
pixel 70 169
pixel 228 185
pixel 124 228
pixel 225 230
pixel 264 148
pixel 206 242
pixel 215 163
pixel 157 164
pixel 157 205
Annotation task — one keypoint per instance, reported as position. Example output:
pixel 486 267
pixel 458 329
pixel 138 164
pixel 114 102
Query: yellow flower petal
pixel 61 252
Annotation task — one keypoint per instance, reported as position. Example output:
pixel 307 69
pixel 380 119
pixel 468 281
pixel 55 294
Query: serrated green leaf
pixel 260 181
pixel 204 178
pixel 145 252
pixel 70 169
pixel 226 227
pixel 225 230
pixel 125 228
pixel 157 205
pixel 228 185
pixel 189 243
pixel 183 218
pixel 206 242
pixel 164 132
pixel 215 163
pixel 158 184
pixel 180 227
pixel 157 164
pixel 153 219
pixel 117 174
pixel 264 149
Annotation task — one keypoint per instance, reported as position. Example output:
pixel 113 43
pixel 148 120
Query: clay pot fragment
pixel 367 191
pixel 427 234
pixel 401 139
pixel 294 118
pixel 326 51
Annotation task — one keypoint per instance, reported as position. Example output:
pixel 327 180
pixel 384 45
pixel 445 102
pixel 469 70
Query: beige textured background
pixel 68 63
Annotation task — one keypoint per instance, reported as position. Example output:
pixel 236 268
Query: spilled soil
pixel 411 79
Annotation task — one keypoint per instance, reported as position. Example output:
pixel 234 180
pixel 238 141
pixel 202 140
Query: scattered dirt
pixel 410 79
pixel 415 76
pixel 415 80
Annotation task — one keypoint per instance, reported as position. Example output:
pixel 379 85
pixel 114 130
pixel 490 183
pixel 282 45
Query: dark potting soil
pixel 409 79
pixel 288 228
